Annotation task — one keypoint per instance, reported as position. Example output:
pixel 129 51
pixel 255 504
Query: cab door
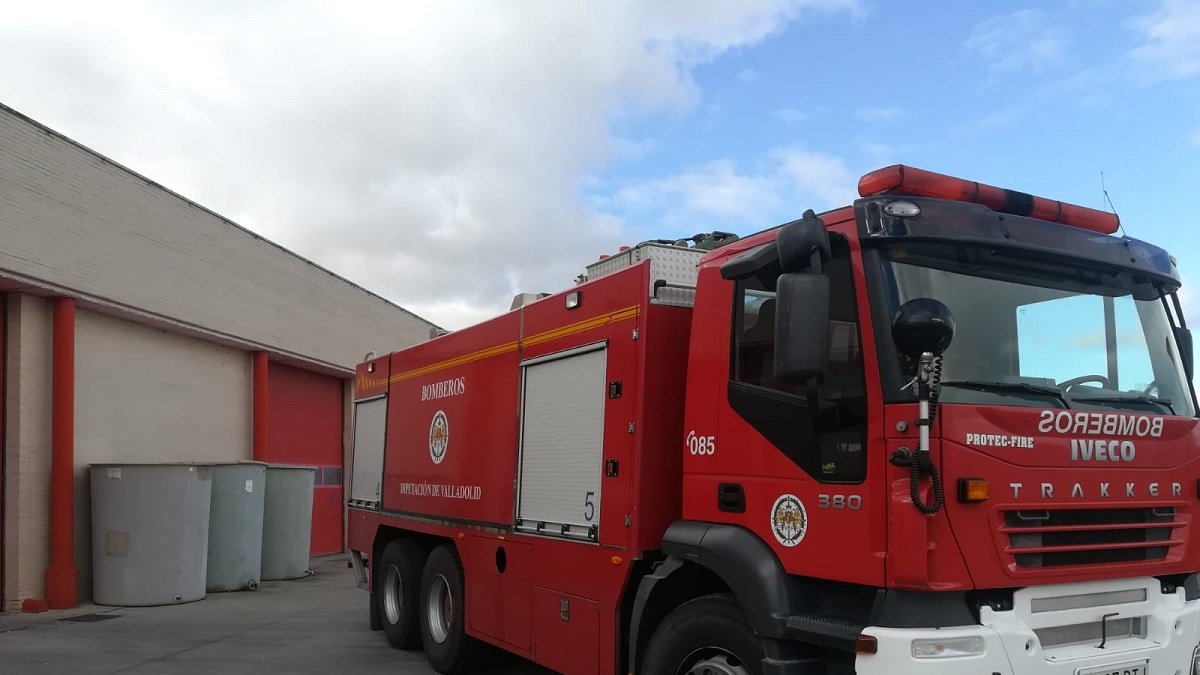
pixel 791 463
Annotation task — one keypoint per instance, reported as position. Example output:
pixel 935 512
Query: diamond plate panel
pixel 675 265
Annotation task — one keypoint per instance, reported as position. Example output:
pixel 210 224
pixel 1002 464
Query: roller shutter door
pixel 304 426
pixel 370 426
pixel 562 438
pixel 3 458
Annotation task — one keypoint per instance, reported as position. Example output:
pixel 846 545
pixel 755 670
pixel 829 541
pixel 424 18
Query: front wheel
pixel 705 636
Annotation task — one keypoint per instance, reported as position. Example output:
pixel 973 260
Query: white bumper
pixel 1154 629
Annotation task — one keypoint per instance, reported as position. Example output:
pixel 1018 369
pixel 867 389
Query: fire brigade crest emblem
pixel 439 437
pixel 789 520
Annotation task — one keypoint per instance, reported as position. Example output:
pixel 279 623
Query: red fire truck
pixel 947 429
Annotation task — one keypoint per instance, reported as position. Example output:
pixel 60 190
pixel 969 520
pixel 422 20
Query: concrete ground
pixel 315 625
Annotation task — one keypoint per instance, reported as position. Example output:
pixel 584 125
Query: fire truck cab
pixel 947 429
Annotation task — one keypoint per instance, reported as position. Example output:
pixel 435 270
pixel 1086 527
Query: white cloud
pixel 750 76
pixel 720 195
pixel 878 114
pixel 433 152
pixel 1171 40
pixel 879 155
pixel 1195 137
pixel 998 119
pixel 792 115
pixel 713 189
pixel 820 175
pixel 1019 41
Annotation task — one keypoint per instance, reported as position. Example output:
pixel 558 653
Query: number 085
pixel 701 445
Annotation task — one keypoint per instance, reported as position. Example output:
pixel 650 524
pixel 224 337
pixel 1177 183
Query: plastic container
pixel 149 533
pixel 287 522
pixel 235 527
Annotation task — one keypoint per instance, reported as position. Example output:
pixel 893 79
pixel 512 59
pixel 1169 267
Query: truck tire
pixel 374 614
pixel 708 635
pixel 397 589
pixel 443 616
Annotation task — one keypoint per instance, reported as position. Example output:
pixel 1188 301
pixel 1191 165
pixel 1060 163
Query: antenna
pixel 1108 201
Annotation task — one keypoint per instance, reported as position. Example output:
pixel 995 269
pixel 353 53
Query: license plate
pixel 1128 668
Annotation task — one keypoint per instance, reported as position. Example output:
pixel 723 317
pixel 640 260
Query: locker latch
pixel 564 607
pixel 611 468
pixel 731 498
pixel 614 389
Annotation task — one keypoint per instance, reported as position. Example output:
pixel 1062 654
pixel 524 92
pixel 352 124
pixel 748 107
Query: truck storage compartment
pixel 562 440
pixel 366 481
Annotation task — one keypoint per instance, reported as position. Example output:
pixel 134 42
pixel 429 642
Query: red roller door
pixel 3 459
pixel 304 426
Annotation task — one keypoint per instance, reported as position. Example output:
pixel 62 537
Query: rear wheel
pixel 397 586
pixel 443 614
pixel 705 636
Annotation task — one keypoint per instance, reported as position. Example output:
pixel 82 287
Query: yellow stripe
pixel 457 361
pixel 562 331
pixel 370 381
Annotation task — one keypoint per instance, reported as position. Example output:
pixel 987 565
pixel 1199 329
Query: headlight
pixel 950 648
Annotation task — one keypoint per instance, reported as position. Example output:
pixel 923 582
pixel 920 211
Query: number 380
pixel 848 502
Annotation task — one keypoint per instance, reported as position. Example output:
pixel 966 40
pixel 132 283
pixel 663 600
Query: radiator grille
pixel 1060 537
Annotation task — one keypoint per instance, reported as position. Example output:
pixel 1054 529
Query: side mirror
pixel 922 325
pixel 803 244
pixel 1183 338
pixel 801 328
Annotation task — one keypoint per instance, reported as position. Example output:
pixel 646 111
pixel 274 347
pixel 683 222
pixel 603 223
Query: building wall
pixel 147 395
pixel 172 301
pixel 26 448
pixel 69 218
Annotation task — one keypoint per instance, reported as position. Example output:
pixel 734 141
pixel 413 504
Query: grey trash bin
pixel 287 521
pixel 236 525
pixel 149 533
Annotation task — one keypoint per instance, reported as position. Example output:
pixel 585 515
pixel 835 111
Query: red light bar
pixel 900 179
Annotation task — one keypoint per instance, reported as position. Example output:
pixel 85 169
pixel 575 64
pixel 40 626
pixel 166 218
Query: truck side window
pixel 828 443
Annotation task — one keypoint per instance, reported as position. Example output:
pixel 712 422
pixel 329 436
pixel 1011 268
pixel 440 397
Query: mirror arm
pixel 1178 310
pixel 815 263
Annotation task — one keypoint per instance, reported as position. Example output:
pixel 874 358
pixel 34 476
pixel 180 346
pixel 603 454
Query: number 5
pixel 589 507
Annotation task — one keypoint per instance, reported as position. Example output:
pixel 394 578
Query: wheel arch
pixel 706 558
pixel 386 534
pixel 671 584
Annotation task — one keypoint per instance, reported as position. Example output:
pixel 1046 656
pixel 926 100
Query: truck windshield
pixel 1042 334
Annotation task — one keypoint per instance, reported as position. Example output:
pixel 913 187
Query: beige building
pixel 180 320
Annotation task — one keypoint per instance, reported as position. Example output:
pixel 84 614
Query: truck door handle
pixel 731 498
pixel 612 467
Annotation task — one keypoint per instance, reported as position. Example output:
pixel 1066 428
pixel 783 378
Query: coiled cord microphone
pixel 929 377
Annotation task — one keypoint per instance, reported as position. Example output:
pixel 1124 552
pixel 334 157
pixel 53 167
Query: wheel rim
pixel 713 661
pixel 439 613
pixel 393 595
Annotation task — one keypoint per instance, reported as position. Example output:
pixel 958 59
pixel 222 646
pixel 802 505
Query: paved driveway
pixel 313 625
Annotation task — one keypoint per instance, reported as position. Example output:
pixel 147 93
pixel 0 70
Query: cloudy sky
pixel 448 155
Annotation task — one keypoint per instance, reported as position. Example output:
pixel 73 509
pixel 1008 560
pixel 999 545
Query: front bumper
pixel 1054 630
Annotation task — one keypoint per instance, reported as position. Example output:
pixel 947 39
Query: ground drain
pixel 91 618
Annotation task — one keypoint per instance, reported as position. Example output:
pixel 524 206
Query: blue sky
pixel 448 155
pixel 1039 100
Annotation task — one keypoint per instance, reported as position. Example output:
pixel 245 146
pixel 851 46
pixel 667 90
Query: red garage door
pixel 3 459
pixel 304 426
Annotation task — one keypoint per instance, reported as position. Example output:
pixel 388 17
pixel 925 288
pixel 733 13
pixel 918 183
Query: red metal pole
pixel 260 406
pixel 61 586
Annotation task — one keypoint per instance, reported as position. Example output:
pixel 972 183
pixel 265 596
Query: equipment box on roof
pixel 672 270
